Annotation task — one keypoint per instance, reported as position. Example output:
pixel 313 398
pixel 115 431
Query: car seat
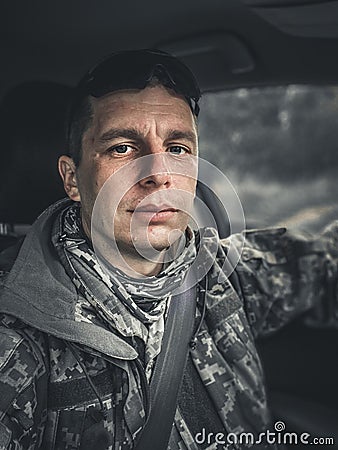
pixel 33 136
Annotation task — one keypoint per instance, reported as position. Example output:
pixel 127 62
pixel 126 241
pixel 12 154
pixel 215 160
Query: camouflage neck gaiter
pixel 132 308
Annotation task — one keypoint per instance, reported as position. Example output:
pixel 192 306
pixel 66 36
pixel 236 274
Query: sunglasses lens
pixel 134 69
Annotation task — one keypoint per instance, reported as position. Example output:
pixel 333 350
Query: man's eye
pixel 177 150
pixel 122 149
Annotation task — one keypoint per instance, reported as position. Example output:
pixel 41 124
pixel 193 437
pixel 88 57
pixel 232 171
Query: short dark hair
pixel 79 122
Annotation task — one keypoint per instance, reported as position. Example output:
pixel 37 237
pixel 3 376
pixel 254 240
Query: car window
pixel 278 147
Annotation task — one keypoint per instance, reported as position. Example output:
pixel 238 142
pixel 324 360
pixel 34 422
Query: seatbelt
pixel 168 372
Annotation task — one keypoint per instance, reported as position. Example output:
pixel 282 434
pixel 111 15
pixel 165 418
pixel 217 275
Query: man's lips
pixel 153 208
pixel 154 213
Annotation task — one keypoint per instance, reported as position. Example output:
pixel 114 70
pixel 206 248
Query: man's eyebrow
pixel 178 135
pixel 133 134
pixel 115 133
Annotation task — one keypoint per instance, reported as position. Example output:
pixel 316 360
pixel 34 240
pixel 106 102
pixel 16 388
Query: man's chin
pixel 161 239
pixel 152 246
pixel 157 240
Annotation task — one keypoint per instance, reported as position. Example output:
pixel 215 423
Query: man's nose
pixel 157 171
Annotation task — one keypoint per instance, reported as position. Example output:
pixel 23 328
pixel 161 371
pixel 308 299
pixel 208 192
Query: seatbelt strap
pixel 168 371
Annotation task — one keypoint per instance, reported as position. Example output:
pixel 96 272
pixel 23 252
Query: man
pixel 86 301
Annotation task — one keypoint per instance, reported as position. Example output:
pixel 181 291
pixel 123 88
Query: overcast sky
pixel 279 148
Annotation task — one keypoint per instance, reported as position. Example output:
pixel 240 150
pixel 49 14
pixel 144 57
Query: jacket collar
pixel 38 292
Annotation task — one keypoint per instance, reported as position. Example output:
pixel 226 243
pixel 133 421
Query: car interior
pixel 247 56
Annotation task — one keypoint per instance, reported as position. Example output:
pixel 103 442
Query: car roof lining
pixel 59 42
pixel 300 17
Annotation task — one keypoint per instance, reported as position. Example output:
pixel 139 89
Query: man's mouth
pixel 152 213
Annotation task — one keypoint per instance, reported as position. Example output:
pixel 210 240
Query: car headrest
pixel 32 123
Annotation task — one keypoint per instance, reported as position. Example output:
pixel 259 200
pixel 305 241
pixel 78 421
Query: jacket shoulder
pixel 23 385
pixel 10 340
pixel 22 356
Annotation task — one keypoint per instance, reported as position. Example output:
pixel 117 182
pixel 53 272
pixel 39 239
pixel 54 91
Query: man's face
pixel 127 125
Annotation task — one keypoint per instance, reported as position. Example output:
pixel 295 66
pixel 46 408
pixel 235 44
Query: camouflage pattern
pixel 130 309
pixel 61 393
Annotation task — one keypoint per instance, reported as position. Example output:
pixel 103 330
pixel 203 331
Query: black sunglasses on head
pixel 134 69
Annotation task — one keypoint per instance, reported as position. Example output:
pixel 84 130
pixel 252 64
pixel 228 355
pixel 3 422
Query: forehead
pixel 140 107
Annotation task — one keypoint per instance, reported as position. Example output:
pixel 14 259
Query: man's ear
pixel 67 171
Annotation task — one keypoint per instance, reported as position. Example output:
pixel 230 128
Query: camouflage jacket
pixel 65 384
